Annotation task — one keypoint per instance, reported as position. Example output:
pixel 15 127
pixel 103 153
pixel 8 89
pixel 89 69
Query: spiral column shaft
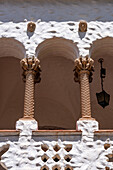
pixel 31 75
pixel 83 75
pixel 29 95
pixel 85 94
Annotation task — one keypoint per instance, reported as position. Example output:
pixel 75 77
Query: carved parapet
pixel 83 65
pixel 31 65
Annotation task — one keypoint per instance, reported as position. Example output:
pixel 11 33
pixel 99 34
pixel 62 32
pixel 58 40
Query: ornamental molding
pixel 83 65
pixel 31 26
pixel 31 65
pixel 82 26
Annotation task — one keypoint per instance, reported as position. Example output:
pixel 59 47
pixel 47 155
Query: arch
pixel 11 92
pixel 57 47
pixel 57 96
pixel 11 47
pixel 11 86
pixel 102 48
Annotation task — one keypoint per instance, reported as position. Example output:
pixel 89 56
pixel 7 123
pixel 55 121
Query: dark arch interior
pixel 103 49
pixel 57 95
pixel 11 92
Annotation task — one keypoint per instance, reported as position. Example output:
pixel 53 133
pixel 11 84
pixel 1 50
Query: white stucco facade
pixel 56 20
pixel 87 149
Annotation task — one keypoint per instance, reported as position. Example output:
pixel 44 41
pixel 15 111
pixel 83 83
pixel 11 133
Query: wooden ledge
pixel 104 132
pixel 56 132
pixel 9 132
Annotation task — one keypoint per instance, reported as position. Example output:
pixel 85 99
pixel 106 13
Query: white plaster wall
pixel 56 18
pixel 47 30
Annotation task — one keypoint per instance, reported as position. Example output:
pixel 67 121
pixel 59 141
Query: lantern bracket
pixel 103 98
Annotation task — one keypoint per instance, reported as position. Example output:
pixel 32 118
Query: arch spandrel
pixel 102 48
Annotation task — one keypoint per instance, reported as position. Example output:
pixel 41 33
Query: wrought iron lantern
pixel 103 98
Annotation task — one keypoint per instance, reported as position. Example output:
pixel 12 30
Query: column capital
pixel 83 65
pixel 31 65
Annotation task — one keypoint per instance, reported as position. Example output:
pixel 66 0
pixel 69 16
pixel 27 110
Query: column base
pixel 26 125
pixel 88 127
pixel 88 124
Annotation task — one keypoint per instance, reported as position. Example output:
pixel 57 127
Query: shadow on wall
pixel 11 86
pixel 57 96
pixel 102 48
pixel 11 92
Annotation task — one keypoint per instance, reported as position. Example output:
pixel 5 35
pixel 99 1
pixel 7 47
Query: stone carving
pixel 56 158
pixel 82 26
pixel 83 64
pixel 31 26
pixel 31 65
pixel 44 168
pixel 44 147
pixel 31 75
pixel 56 167
pixel 107 144
pixel 83 75
pixel 56 147
pixel 44 158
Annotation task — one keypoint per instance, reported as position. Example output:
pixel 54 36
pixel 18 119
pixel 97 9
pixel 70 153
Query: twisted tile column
pixel 31 75
pixel 83 75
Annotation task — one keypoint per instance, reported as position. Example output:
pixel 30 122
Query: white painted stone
pixel 26 153
pixel 85 155
pixel 88 127
pixel 56 22
pixel 26 127
pixel 46 30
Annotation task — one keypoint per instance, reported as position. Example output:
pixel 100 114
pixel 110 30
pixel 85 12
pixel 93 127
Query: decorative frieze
pixel 83 65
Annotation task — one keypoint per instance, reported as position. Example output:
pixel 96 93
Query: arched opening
pixel 11 86
pixel 57 95
pixel 102 48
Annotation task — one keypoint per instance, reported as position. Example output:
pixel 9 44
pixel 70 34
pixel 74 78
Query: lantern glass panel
pixel 103 98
